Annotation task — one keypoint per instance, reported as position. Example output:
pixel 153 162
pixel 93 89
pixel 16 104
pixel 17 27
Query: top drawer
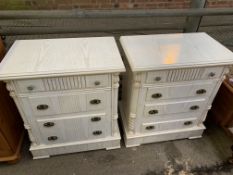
pixel 62 83
pixel 188 74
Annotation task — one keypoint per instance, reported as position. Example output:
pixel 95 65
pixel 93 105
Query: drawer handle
pixel 211 74
pixel 150 127
pixel 201 91
pixel 30 88
pixel 195 107
pixel 52 138
pixel 97 83
pixel 188 123
pixel 49 124
pixel 95 101
pixel 42 107
pixel 95 119
pixel 96 133
pixel 154 111
pixel 157 95
pixel 157 78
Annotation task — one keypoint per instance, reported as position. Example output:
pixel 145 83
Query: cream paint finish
pixel 66 91
pixel 165 51
pixel 170 83
pixel 59 57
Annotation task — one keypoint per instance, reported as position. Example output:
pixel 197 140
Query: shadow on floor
pixel 206 155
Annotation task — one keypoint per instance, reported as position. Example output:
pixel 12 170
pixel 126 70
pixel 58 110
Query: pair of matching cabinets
pixel 66 90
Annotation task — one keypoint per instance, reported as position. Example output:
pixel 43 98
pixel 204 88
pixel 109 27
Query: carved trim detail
pixel 115 86
pixel 131 123
pixel 137 84
pixel 10 87
pixel 31 137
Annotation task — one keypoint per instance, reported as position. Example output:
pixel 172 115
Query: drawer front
pixel 94 81
pixel 212 72
pixel 170 125
pixel 96 101
pixel 61 130
pixel 62 83
pixel 157 77
pixel 153 110
pixel 170 117
pixel 176 75
pixel 31 85
pixel 180 91
pixel 66 103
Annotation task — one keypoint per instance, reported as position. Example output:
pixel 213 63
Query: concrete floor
pixel 206 155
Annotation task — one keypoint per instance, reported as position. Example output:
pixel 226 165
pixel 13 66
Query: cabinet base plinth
pixel 132 140
pixel 45 151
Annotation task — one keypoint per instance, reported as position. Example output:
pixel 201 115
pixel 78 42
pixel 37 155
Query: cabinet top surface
pixel 164 51
pixel 57 57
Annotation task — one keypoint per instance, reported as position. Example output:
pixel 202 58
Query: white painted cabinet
pixel 170 83
pixel 66 91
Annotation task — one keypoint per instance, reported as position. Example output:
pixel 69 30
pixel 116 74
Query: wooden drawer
pixel 176 116
pixel 65 103
pixel 181 90
pixel 62 83
pixel 170 125
pixel 71 129
pixel 152 110
pixel 94 81
pixel 176 75
pixel 31 85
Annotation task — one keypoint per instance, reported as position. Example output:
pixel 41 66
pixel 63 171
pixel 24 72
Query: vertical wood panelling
pixel 62 83
pixel 184 74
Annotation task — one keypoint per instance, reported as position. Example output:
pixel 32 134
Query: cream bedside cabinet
pixel 169 86
pixel 66 91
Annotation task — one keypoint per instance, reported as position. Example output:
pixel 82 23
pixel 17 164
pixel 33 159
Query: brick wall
pixel 219 3
pixel 105 4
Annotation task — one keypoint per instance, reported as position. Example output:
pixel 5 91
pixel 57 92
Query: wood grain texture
pixel 170 84
pixel 184 74
pixel 166 51
pixel 11 126
pixel 222 106
pixel 59 86
pixel 57 57
pixel 180 90
pixel 137 139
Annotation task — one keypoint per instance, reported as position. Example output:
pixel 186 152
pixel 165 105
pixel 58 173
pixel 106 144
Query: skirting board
pixel 45 151
pixel 138 139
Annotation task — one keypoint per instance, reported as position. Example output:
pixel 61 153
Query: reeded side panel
pixel 63 83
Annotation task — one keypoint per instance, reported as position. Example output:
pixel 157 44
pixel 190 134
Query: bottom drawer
pixel 169 125
pixel 71 129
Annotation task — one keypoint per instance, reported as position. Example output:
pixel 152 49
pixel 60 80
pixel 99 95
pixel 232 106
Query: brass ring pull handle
pixel 157 78
pixel 154 111
pixel 150 127
pixel 201 91
pixel 96 133
pixel 30 88
pixel 49 124
pixel 95 119
pixel 97 83
pixel 95 101
pixel 195 107
pixel 42 107
pixel 52 138
pixel 211 74
pixel 188 123
pixel 157 95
